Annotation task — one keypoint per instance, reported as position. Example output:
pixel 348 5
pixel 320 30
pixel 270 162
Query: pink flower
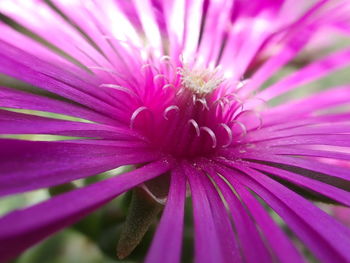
pixel 175 88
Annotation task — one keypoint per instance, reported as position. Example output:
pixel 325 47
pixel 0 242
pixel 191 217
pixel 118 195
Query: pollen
pixel 200 81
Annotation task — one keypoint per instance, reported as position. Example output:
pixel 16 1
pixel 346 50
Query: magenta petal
pixel 342 214
pixel 307 107
pixel 328 239
pixel 38 73
pixel 297 150
pixel 227 237
pixel 332 192
pixel 279 242
pixel 252 245
pixel 11 98
pixel 307 74
pixel 307 120
pixel 45 164
pixel 18 123
pixel 23 228
pixel 312 165
pixel 311 139
pixel 284 55
pixel 166 245
pixel 207 245
pixel 174 11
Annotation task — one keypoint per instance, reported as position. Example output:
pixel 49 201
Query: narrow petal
pixel 55 80
pixel 320 128
pixel 294 39
pixel 24 228
pixel 276 62
pixel 308 106
pixel 227 238
pixel 252 245
pixel 207 245
pixel 149 24
pixel 326 237
pixel 295 150
pixel 193 21
pixel 166 245
pixel 11 98
pixel 174 11
pixel 19 123
pixel 332 192
pixel 311 165
pixel 251 25
pixel 279 242
pixel 56 31
pixel 217 20
pixel 311 139
pixel 304 122
pixel 311 72
pixel 45 164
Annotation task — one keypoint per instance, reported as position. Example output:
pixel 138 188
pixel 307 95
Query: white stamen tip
pixel 195 125
pixel 212 136
pixel 170 108
pixel 135 114
pixel 201 82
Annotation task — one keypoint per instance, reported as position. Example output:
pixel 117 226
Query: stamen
pixel 180 91
pixel 135 114
pixel 195 125
pixel 201 82
pixel 233 97
pixel 246 117
pixel 159 77
pixel 204 103
pixel 165 58
pixel 211 134
pixel 148 66
pixel 194 99
pixel 167 86
pixel 170 108
pixel 235 123
pixel 159 200
pixel 229 135
pixel 119 88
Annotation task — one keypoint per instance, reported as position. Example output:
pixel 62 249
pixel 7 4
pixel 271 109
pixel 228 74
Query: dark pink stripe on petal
pixel 22 229
pixel 166 245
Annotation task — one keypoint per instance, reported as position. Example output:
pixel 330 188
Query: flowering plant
pixel 176 90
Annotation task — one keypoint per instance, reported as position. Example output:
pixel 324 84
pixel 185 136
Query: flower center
pixel 185 112
pixel 201 82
